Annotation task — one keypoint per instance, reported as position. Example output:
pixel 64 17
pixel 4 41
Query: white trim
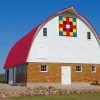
pixel 46 68
pixel 79 71
pixel 66 75
pixel 11 77
pixel 95 69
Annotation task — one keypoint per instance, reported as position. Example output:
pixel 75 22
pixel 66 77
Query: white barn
pixel 64 48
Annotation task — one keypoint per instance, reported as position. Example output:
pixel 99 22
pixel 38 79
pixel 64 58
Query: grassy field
pixel 92 96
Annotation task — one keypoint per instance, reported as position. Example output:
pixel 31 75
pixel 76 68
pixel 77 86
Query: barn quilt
pixel 67 26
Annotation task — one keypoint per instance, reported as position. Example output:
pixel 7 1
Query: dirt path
pixel 6 87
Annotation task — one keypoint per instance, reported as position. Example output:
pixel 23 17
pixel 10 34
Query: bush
pixel 2 78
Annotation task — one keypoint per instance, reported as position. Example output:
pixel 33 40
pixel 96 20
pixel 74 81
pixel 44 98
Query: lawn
pixel 92 96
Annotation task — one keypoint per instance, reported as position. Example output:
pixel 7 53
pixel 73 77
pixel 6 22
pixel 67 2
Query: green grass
pixel 92 96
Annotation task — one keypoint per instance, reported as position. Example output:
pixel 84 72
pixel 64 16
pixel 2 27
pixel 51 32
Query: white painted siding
pixel 14 74
pixel 10 76
pixel 62 48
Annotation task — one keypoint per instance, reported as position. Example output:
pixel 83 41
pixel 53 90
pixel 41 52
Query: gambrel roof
pixel 19 52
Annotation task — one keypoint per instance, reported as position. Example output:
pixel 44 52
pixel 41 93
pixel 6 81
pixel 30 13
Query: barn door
pixel 7 76
pixel 66 75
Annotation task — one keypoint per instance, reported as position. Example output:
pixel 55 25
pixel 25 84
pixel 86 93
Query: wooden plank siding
pixel 54 73
pixel 35 76
pixel 21 73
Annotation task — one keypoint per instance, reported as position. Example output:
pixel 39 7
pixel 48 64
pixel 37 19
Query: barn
pixel 64 48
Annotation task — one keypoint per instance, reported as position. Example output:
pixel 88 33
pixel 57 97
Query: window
pixel 78 69
pixel 88 35
pixel 93 69
pixel 21 69
pixel 44 68
pixel 44 31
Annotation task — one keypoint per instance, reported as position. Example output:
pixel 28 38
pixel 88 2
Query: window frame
pixel 89 35
pixel 77 70
pixel 42 68
pixel 94 70
pixel 45 31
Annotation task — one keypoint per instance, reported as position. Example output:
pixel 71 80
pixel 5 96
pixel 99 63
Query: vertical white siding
pixel 14 74
pixel 10 76
pixel 62 48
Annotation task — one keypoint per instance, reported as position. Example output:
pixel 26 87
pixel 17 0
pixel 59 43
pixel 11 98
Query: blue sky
pixel 18 17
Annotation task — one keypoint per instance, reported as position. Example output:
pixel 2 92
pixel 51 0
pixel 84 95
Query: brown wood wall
pixel 52 76
pixel 21 77
pixel 54 73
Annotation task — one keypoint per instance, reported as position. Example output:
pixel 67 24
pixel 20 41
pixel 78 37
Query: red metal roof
pixel 19 52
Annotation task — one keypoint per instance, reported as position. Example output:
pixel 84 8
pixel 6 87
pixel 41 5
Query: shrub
pixel 2 78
